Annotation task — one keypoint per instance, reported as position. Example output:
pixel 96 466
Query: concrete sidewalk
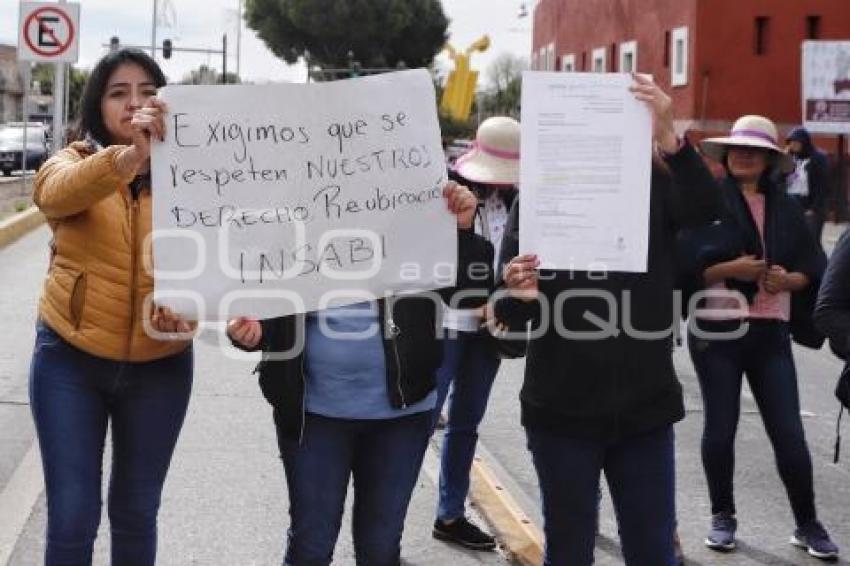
pixel 225 498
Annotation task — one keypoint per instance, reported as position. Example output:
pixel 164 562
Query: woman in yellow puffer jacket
pixel 96 360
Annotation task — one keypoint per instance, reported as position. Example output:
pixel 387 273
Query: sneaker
pixel 464 533
pixel 813 538
pixel 721 537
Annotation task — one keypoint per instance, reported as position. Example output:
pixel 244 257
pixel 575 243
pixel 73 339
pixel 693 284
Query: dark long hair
pixel 91 118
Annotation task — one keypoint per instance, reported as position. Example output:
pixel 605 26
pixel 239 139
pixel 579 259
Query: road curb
pixel 19 225
pixel 521 538
pixel 17 500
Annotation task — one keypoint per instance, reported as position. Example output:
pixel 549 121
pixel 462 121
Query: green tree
pixel 79 78
pixel 451 129
pixel 379 33
pixel 504 85
pixel 43 73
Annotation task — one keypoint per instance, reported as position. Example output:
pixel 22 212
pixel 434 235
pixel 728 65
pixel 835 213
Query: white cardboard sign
pixel 278 199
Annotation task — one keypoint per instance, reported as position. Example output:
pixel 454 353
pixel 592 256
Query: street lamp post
pixel 523 11
pixel 58 105
pixel 224 59
pixel 153 30
pixel 526 8
pixel 239 40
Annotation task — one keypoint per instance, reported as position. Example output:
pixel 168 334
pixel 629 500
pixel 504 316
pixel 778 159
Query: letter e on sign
pixel 48 32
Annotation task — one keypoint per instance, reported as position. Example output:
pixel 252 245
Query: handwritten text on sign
pixel 272 200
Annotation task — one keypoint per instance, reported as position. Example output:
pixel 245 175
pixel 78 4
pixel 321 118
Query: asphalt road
pixel 765 522
pixel 764 516
pixel 225 500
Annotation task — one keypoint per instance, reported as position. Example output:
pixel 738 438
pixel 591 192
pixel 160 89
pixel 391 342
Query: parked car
pixel 12 146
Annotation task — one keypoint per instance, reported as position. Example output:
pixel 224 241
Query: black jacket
pixel 817 170
pixel 832 316
pixel 832 312
pixel 788 241
pixel 614 387
pixel 409 325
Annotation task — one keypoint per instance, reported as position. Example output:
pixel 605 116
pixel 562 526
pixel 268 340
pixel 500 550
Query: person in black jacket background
pixel 764 266
pixel 353 393
pixel 609 404
pixel 809 182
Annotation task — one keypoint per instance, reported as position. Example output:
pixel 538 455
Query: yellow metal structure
pixel 460 85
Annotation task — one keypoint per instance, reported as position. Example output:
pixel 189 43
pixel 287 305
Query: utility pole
pixel 58 104
pixel 224 59
pixel 67 111
pixel 841 165
pixel 27 82
pixel 153 30
pixel 239 40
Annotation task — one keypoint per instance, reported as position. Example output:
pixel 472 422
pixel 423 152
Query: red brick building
pixel 720 59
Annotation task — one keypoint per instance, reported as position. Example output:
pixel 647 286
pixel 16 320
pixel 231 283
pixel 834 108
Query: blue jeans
pixel 383 456
pixel 470 365
pixel 74 395
pixel 641 478
pixel 764 355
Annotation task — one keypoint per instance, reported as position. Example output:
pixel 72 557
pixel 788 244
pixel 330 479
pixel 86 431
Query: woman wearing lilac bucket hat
pixel 764 260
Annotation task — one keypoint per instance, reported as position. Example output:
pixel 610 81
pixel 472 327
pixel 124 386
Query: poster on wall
pixel 826 86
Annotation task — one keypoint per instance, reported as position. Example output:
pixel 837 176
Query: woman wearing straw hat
pixel 764 254
pixel 470 361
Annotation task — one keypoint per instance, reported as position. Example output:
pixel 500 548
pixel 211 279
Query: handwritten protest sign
pixel 277 199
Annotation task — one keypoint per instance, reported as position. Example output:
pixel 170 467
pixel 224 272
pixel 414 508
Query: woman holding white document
pixel 609 403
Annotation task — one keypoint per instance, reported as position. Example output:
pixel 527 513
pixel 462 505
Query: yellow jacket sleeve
pixel 69 182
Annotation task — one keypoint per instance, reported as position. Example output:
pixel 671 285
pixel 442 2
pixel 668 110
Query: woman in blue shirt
pixel 357 402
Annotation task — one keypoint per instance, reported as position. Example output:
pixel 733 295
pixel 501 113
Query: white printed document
pixel 586 162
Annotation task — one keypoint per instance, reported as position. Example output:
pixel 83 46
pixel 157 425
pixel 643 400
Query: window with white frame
pixel 550 57
pixel 600 60
pixel 568 63
pixel 534 62
pixel 679 57
pixel 628 57
pixel 541 59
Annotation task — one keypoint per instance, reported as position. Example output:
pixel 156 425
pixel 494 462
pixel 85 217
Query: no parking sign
pixel 49 32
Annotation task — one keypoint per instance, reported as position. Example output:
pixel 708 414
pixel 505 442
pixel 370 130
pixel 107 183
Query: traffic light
pixel 166 49
pixel 113 44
